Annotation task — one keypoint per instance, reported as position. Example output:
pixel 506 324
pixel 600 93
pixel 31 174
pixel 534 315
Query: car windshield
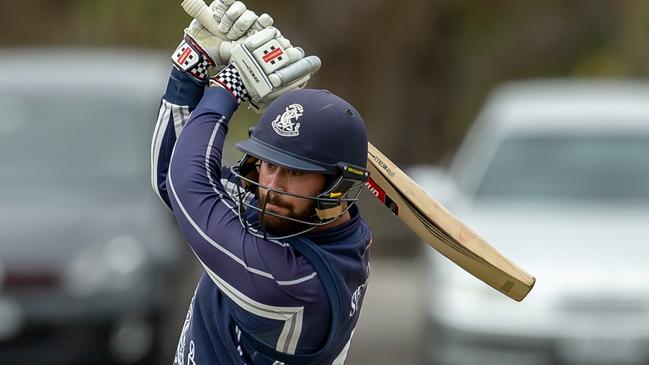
pixel 66 137
pixel 596 167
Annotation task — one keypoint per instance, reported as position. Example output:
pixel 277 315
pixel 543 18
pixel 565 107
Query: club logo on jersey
pixel 286 124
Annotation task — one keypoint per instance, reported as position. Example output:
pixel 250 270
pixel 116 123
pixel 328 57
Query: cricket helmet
pixel 312 131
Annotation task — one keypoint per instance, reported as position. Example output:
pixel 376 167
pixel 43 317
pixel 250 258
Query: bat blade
pixel 440 229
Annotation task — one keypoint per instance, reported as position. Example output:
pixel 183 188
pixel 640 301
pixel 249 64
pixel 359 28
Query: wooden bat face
pixel 440 229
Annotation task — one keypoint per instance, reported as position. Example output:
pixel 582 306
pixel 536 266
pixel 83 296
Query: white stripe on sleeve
pixel 180 114
pixel 156 142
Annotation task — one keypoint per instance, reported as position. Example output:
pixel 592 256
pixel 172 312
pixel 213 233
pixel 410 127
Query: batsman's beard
pixel 279 226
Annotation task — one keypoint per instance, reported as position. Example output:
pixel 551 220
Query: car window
pixel 591 167
pixel 73 136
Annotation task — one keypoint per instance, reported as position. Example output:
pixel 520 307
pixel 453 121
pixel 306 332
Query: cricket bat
pixel 440 229
pixel 420 212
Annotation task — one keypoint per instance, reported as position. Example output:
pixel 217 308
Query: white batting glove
pixel 270 66
pixel 200 50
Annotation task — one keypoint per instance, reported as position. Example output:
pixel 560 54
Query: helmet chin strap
pixel 331 213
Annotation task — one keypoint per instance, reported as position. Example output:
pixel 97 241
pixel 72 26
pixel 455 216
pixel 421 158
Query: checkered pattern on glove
pixel 190 57
pixel 230 79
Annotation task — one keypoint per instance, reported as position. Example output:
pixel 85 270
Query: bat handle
pixel 198 10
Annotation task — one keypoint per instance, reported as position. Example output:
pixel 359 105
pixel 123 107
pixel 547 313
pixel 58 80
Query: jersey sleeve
pixel 264 279
pixel 181 97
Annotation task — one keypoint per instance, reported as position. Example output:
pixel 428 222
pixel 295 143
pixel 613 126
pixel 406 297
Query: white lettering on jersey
pixel 356 297
pixel 192 353
pixel 180 351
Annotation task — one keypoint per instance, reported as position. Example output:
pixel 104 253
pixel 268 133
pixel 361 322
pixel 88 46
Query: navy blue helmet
pixel 313 131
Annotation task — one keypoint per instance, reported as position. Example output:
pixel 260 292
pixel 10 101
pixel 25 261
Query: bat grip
pixel 198 10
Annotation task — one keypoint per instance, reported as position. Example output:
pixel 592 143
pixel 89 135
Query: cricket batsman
pixel 282 242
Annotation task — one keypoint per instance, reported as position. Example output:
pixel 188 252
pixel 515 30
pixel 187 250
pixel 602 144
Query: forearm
pixel 181 97
pixel 198 151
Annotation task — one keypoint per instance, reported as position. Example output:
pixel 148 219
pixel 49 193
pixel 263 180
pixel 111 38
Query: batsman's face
pixel 297 182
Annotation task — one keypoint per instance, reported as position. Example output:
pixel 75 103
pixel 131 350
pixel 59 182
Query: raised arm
pixel 199 52
pixel 181 97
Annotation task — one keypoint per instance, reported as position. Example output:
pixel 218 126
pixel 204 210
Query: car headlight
pixel 113 266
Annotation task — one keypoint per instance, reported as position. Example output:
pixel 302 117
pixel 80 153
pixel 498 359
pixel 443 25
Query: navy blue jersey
pixel 252 288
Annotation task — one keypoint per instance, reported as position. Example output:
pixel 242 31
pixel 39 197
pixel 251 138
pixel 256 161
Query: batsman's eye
pixel 268 165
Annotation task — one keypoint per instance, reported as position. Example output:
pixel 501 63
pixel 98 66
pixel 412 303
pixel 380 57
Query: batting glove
pixel 200 50
pixel 269 66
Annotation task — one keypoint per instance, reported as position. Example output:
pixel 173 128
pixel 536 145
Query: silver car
pixel 555 174
pixel 86 267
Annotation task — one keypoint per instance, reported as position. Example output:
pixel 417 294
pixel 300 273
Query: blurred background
pixel 554 174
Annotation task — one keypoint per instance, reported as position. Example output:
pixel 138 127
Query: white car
pixel 555 174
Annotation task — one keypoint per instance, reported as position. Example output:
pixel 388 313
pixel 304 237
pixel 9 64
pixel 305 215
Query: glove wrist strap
pixel 230 79
pixel 191 58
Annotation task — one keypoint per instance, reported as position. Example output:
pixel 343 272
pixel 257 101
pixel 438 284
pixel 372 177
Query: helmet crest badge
pixel 286 124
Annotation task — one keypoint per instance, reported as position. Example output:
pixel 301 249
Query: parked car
pixel 87 263
pixel 555 174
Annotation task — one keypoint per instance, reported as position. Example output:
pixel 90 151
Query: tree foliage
pixel 417 70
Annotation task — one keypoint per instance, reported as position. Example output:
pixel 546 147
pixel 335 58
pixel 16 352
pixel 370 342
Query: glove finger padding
pixel 264 21
pixel 294 53
pixel 260 23
pixel 242 24
pixel 256 40
pixel 295 71
pixel 231 15
pixel 220 7
pixel 285 43
pixel 269 70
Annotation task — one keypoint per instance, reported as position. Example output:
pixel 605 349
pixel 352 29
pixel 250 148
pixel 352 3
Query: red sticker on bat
pixel 375 189
pixel 380 194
